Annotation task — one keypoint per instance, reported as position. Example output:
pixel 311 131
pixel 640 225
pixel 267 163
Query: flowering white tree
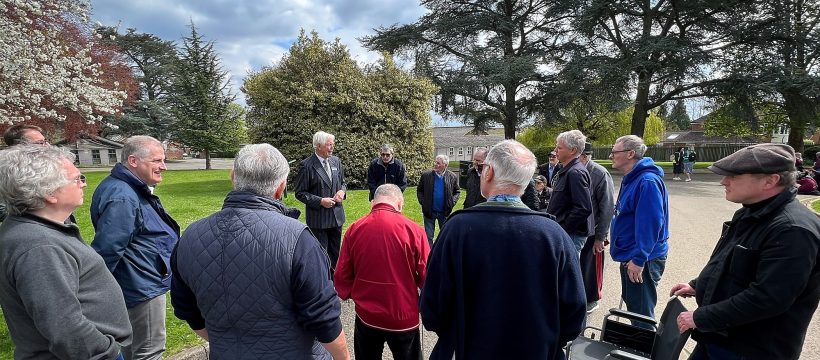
pixel 41 72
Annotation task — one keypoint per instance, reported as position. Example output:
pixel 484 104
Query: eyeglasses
pixel 613 152
pixel 39 142
pixel 387 154
pixel 80 179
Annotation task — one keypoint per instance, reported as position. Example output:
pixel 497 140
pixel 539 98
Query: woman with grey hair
pixel 58 297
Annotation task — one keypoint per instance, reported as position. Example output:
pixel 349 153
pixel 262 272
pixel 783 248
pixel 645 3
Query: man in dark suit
pixel 550 168
pixel 320 184
pixel 437 193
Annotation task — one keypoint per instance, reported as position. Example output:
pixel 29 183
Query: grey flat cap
pixel 756 159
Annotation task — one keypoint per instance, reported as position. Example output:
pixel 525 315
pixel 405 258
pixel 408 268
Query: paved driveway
pixel 697 212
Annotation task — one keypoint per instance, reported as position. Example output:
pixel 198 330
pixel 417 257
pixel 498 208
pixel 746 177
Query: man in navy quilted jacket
pixel 253 281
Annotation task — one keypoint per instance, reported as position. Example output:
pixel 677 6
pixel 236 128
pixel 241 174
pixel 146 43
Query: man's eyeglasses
pixel 39 142
pixel 80 179
pixel 613 152
pixel 386 154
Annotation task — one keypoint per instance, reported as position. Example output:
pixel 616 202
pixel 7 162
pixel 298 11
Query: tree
pixel 200 100
pixel 151 60
pixel 42 73
pixel 491 59
pixel 666 46
pixel 318 86
pixel 678 116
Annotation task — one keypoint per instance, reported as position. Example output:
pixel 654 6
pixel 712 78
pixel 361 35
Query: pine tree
pixel 678 116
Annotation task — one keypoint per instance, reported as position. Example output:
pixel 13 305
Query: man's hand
pixel 635 272
pixel 682 290
pixel 203 333
pixel 686 321
pixel 339 197
pixel 599 245
pixel 328 203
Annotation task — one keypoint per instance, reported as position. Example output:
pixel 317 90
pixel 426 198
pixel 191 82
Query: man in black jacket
pixel 759 290
pixel 571 200
pixel 474 179
pixel 437 193
pixel 386 169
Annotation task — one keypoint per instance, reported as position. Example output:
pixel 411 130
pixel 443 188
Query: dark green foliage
pixel 205 117
pixel 318 86
pixel 678 116
pixel 493 60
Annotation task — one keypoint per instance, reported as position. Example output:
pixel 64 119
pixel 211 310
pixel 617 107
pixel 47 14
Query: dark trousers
pixel 368 343
pixel 592 270
pixel 713 352
pixel 331 241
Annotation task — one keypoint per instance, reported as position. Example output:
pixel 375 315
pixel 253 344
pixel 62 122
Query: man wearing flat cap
pixel 758 291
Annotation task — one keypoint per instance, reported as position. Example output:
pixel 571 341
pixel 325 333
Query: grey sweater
pixel 58 298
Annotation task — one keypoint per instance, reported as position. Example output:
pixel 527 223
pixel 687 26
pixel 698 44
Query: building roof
pixel 455 136
pixel 94 140
pixel 699 137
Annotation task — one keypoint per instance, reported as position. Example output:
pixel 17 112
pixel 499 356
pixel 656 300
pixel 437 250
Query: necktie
pixel 327 169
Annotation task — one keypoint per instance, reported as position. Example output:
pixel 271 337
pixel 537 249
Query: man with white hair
pixel 437 193
pixel 571 199
pixel 473 297
pixel 59 299
pixel 320 185
pixel 640 228
pixel 135 237
pixel 253 281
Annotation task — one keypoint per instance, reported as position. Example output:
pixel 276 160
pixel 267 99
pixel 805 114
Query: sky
pixel 251 34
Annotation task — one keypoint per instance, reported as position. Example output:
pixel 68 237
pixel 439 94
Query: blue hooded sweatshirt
pixel 640 228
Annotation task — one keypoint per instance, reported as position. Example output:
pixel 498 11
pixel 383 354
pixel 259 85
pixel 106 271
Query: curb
pixel 198 352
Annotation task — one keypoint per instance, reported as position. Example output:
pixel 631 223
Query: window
pixel 450 151
pixel 461 151
pixel 112 156
pixel 95 157
pixel 76 156
pixel 469 150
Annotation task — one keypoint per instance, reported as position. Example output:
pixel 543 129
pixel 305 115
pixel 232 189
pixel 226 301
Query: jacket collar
pixel 384 207
pixel 121 172
pixel 779 201
pixel 69 229
pixel 568 165
pixel 249 200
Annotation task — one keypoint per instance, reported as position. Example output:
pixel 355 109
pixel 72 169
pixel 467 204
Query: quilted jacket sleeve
pixel 317 306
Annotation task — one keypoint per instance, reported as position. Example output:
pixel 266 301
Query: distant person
pixel 571 199
pixel 58 298
pixel 603 205
pixel 503 281
pixel 437 193
pixel 135 236
pixel 690 156
pixel 550 168
pixel 677 163
pixel 253 281
pixel 382 266
pixel 798 161
pixel 25 134
pixel 640 227
pixel 474 179
pixel 759 290
pixel 542 191
pixel 321 186
pixel 386 169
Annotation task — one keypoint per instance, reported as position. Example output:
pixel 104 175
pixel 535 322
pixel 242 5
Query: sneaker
pixel 675 178
pixel 591 306
pixel 688 180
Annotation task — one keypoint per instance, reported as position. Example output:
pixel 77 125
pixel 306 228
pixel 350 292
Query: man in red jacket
pixel 382 266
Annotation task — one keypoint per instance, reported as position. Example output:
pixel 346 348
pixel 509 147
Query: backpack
pixel 693 156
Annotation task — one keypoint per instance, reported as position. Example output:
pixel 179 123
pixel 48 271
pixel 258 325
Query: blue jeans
pixel 579 241
pixel 641 297
pixel 713 352
pixel 430 225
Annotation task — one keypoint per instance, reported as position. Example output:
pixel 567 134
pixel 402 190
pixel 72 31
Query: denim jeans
pixel 641 297
pixel 430 225
pixel 579 240
pixel 713 352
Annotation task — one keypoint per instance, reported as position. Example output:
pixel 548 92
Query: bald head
pixel 389 194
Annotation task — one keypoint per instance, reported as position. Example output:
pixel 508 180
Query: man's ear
pixel 132 161
pixel 280 190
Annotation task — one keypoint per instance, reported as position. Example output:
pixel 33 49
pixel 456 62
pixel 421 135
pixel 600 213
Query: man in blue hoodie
pixel 639 239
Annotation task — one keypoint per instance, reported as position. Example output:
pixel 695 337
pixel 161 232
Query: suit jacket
pixel 312 184
pixel 424 192
pixel 544 169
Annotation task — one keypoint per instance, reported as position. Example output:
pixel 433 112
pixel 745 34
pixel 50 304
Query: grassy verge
pixel 816 206
pixel 190 195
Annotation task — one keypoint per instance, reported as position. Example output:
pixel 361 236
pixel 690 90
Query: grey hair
pixel 260 169
pixel 634 143
pixel 513 165
pixel 320 138
pixel 788 178
pixel 138 146
pixel 479 151
pixel 387 148
pixel 574 139
pixel 444 158
pixel 389 191
pixel 31 173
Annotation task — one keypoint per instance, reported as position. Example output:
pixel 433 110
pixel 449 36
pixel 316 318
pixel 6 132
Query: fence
pixel 663 153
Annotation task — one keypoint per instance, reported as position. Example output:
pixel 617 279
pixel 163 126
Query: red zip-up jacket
pixel 382 265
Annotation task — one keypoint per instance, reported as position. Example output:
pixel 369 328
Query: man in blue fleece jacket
pixel 639 238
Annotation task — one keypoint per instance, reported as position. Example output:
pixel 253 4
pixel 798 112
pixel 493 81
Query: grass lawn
pixel 816 205
pixel 190 195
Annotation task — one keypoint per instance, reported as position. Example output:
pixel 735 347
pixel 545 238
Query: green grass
pixel 190 195
pixel 816 206
pixel 666 165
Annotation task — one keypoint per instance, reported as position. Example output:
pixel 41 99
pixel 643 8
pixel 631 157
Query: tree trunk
pixel 801 113
pixel 641 107
pixel 510 112
pixel 207 160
